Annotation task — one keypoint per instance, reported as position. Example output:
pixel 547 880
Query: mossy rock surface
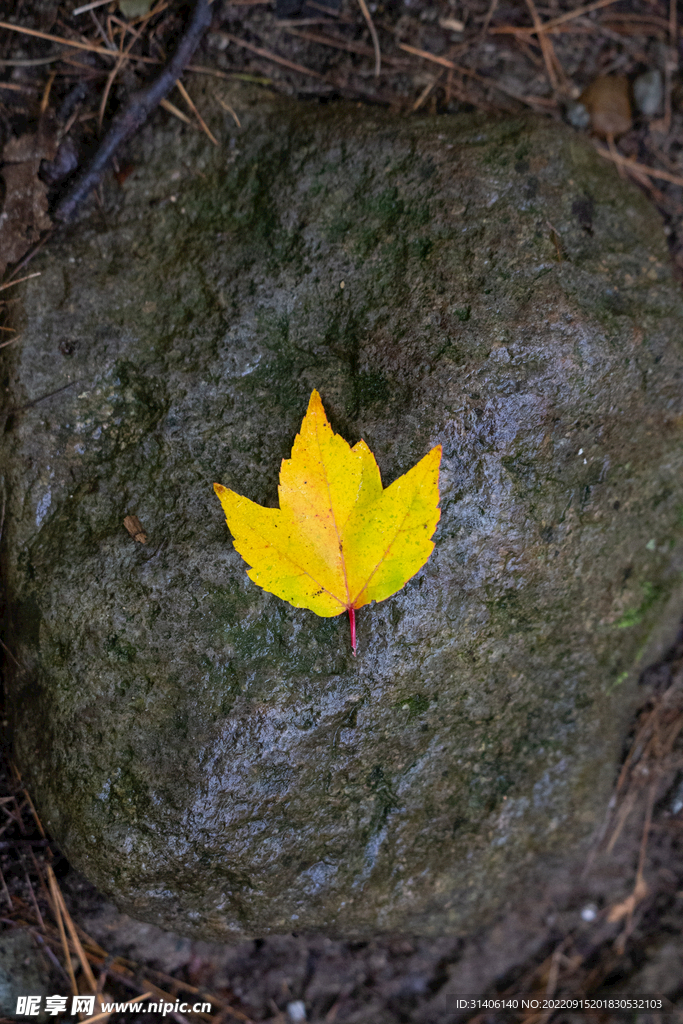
pixel 216 760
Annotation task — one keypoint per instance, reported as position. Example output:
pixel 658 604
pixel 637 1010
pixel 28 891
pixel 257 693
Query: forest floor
pixel 611 69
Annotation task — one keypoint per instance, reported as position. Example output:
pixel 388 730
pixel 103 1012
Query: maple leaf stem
pixel 352 623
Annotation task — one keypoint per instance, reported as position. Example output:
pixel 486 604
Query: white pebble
pixel 589 912
pixel 648 92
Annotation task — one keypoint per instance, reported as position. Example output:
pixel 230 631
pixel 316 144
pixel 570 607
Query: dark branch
pixel 142 104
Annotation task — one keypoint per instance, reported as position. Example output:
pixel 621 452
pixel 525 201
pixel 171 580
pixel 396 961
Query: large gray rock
pixel 216 760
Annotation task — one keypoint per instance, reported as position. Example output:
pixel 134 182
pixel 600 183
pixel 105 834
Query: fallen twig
pixel 188 99
pixel 271 56
pixel 228 109
pixel 56 911
pixel 489 82
pixel 342 44
pixel 18 280
pixel 91 47
pixel 638 168
pixel 549 56
pixel 138 110
pixel 172 109
pixel 105 1016
pixel 373 35
pixel 553 23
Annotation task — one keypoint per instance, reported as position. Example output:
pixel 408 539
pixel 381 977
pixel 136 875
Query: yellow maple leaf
pixel 339 539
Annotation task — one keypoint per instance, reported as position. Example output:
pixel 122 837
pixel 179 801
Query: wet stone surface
pixel 215 760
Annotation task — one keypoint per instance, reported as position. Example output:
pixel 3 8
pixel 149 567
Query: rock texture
pixel 215 760
pixel 24 971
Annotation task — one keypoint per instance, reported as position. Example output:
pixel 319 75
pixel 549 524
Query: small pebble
pixel 607 101
pixel 677 802
pixel 648 92
pixel 452 24
pixel 296 1012
pixel 135 8
pixel 578 116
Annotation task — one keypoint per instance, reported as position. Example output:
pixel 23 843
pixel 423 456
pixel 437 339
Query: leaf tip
pixel 315 402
